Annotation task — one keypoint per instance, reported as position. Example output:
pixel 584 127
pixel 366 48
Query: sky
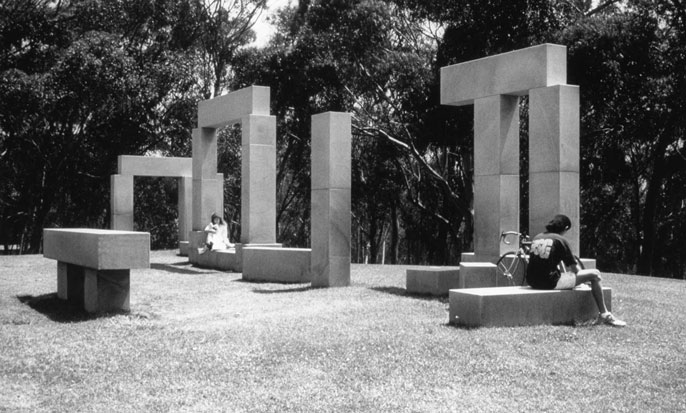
pixel 262 28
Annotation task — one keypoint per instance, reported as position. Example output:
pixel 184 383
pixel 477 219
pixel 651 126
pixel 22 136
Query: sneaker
pixel 582 287
pixel 611 320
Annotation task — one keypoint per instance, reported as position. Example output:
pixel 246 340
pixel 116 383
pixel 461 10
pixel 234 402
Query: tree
pixel 628 65
pixel 107 79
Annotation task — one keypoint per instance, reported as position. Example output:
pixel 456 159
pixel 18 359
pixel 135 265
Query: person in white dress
pixel 217 235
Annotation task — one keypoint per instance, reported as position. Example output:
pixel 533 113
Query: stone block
pixel 496 209
pixel 282 265
pixel 185 211
pixel 331 222
pixel 496 135
pixel 183 248
pixel 477 275
pixel 62 280
pixel 258 130
pixel 99 249
pixel 230 108
pixel 432 280
pixel 554 129
pixel 227 260
pixel 154 166
pixel 331 151
pixel 589 263
pixel 331 271
pixel 518 306
pixel 204 153
pixel 106 290
pixel 512 73
pixel 258 194
pixel 552 193
pixel 121 202
pixel 206 200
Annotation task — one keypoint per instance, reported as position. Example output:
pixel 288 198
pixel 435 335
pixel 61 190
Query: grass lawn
pixel 203 340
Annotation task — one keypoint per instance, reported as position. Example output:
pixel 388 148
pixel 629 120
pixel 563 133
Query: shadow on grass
pixel 285 290
pixel 175 269
pixel 58 310
pixel 403 293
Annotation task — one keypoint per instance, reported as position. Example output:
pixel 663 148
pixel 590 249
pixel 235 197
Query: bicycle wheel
pixel 510 270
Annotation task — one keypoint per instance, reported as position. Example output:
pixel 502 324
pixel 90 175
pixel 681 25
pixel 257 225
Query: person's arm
pixel 210 228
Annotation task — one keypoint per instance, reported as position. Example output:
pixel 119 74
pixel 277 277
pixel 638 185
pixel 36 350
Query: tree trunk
pixel 647 258
pixel 395 238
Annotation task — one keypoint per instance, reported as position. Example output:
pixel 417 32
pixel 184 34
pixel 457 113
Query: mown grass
pixel 202 340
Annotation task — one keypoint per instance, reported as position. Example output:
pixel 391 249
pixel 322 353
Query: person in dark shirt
pixel 552 266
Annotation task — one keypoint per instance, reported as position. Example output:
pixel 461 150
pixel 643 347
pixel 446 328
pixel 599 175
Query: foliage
pixel 628 65
pixel 83 81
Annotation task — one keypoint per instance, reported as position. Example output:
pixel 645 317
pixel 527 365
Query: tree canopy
pixel 84 81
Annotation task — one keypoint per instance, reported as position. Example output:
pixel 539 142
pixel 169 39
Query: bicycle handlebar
pixel 520 236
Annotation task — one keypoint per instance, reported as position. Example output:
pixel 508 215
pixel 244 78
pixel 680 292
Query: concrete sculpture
pixel 493 85
pixel 94 265
pixel 257 255
pixel 121 190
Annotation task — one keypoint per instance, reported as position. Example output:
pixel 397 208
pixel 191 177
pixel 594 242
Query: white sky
pixel 262 28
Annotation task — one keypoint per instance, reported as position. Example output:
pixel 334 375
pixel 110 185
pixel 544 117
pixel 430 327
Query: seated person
pixel 217 235
pixel 550 253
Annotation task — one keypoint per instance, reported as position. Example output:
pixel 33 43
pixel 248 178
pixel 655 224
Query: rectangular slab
pixel 99 249
pixel 519 306
pixel 282 265
pixel 204 161
pixel 496 135
pixel 496 209
pixel 154 166
pixel 554 124
pixel 512 73
pixel 432 280
pixel 331 151
pixel 552 193
pixel 230 108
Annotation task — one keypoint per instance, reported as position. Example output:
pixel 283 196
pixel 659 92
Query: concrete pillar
pixel 205 182
pixel 496 173
pixel 106 290
pixel 121 202
pixel 331 192
pixel 258 179
pixel 185 206
pixel 554 157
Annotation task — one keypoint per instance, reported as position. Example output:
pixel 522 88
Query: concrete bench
pixel 517 306
pixel 94 265
pixel 439 280
pixel 282 265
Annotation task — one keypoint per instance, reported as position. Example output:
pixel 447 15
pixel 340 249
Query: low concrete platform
pixel 520 306
pixel 439 280
pixel 94 265
pixel 282 265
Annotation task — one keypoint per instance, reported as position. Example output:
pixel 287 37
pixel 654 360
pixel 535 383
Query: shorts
pixel 567 281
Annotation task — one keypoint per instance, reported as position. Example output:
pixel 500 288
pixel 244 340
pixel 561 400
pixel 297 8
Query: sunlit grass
pixel 201 340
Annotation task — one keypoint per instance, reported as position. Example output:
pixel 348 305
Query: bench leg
pixel 106 290
pixel 70 282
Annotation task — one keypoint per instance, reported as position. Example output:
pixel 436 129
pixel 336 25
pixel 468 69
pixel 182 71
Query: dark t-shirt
pixel 547 250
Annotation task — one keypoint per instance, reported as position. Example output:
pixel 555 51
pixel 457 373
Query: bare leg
pixel 593 276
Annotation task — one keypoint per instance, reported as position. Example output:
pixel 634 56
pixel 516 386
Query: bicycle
pixel 511 266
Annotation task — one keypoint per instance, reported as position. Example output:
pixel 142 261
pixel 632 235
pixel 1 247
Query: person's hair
pixel 558 224
pixel 221 220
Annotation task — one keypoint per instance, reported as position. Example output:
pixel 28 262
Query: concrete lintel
pixel 230 108
pixel 99 249
pixel 154 166
pixel 511 73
